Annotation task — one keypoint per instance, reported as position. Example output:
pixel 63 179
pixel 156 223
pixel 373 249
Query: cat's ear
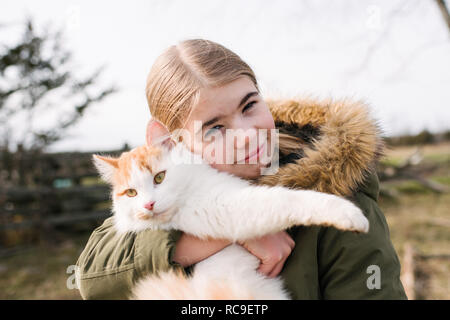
pixel 106 166
pixel 157 135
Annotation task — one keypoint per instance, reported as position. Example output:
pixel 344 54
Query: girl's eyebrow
pixel 243 100
pixel 246 97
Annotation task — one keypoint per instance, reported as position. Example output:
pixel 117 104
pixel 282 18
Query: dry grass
pixel 422 218
pixel 40 272
pixel 424 221
pixel 437 153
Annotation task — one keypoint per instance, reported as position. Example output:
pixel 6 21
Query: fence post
pixel 408 269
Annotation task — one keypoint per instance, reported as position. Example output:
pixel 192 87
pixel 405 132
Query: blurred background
pixel 72 79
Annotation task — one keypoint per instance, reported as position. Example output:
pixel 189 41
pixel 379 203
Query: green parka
pixel 339 148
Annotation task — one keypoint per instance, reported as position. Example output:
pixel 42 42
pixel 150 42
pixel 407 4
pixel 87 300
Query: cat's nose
pixel 149 205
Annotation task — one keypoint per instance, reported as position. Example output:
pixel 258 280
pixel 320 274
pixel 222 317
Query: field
pixel 421 218
pixel 417 216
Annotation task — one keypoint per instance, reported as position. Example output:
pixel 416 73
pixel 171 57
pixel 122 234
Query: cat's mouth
pixel 147 215
pixel 144 216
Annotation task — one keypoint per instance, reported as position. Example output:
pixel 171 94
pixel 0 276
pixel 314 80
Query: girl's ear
pixel 158 135
pixel 106 166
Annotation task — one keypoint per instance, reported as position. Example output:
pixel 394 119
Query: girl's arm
pixel 190 249
pixel 111 263
pixel 272 250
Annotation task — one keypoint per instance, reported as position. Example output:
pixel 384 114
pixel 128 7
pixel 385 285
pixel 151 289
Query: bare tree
pixel 37 81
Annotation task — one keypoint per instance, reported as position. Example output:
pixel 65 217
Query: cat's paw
pixel 349 217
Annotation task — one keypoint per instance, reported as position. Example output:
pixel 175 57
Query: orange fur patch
pixel 220 290
pixel 142 156
pixel 170 285
pixel 174 285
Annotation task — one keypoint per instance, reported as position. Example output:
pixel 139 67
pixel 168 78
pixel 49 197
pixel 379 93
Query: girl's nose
pixel 149 205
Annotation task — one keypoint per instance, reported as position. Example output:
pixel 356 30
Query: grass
pixel 438 151
pixel 424 221
pixel 422 218
pixel 438 154
pixel 40 272
pixel 442 180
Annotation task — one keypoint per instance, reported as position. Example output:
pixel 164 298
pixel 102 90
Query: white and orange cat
pixel 156 186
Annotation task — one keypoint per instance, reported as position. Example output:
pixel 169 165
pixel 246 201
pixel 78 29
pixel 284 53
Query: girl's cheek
pixel 269 123
pixel 216 153
pixel 216 150
pixel 266 118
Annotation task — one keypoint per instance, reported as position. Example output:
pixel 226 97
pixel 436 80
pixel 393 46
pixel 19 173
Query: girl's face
pixel 230 128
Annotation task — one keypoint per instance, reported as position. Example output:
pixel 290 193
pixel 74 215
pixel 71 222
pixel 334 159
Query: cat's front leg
pixel 339 213
pixel 271 210
pixel 255 211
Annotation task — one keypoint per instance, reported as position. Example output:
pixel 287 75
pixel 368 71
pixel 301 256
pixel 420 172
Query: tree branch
pixel 444 11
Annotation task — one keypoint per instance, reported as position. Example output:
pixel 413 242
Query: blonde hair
pixel 182 70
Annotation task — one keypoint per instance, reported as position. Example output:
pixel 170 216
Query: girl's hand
pixel 272 250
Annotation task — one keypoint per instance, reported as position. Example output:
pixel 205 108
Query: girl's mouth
pixel 255 155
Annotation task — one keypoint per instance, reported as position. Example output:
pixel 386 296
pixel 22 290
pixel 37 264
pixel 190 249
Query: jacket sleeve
pixel 110 263
pixel 360 266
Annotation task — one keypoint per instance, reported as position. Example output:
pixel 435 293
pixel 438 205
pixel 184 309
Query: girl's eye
pixel 249 106
pixel 131 193
pixel 159 177
pixel 213 129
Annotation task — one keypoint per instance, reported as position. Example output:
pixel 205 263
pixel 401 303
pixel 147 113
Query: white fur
pixel 234 265
pixel 199 200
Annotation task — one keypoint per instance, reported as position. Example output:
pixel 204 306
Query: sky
pixel 394 55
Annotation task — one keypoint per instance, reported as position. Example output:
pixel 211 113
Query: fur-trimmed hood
pixel 340 145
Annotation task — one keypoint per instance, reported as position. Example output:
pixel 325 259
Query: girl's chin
pixel 248 171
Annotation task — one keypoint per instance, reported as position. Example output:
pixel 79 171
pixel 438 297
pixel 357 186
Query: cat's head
pixel 144 186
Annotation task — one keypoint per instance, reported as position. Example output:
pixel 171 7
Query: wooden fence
pixel 43 192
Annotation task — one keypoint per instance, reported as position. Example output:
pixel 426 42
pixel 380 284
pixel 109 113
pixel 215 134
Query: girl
pixel 325 146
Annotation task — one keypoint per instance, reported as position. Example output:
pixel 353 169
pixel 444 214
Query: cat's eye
pixel 131 192
pixel 159 177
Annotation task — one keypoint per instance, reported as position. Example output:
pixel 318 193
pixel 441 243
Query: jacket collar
pixel 339 149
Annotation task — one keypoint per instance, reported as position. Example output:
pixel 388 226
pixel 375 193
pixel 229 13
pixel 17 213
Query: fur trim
pixel 339 157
